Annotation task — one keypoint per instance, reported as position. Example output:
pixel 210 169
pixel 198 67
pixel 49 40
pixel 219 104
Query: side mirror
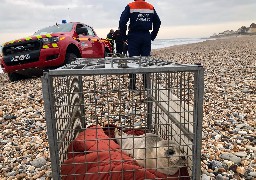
pixel 82 30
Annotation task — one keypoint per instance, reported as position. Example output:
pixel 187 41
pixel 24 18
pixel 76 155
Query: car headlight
pixel 48 40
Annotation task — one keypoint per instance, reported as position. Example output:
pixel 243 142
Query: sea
pixel 163 43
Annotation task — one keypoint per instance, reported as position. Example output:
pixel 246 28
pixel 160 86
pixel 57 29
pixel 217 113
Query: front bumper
pixel 39 59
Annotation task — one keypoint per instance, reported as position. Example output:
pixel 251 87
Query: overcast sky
pixel 180 18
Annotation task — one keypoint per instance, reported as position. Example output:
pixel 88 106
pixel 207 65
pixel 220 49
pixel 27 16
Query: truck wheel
pixel 14 77
pixel 70 57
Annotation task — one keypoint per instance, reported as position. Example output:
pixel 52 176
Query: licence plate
pixel 22 57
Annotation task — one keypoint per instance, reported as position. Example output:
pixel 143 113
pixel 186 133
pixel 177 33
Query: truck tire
pixel 70 57
pixel 14 77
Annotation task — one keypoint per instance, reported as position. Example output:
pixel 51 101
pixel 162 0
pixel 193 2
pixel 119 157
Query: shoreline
pixel 229 119
pixel 207 39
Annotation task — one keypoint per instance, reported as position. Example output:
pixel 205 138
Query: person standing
pixel 110 37
pixel 119 42
pixel 142 16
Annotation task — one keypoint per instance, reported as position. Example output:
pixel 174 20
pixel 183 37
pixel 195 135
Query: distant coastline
pixel 242 31
pixel 232 35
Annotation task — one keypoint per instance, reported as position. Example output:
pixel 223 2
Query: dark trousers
pixel 139 44
pixel 132 77
pixel 119 47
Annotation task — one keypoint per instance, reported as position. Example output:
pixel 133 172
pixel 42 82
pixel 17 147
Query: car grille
pixel 22 47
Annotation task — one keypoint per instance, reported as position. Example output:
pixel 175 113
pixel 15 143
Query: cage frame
pixel 47 87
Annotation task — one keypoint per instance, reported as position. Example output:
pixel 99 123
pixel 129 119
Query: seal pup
pixel 152 151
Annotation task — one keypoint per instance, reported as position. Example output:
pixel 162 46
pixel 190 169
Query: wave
pixel 162 43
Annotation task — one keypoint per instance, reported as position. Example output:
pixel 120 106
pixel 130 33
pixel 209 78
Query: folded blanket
pixel 95 155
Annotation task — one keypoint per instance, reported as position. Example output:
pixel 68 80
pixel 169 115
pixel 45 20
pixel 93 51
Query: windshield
pixel 55 29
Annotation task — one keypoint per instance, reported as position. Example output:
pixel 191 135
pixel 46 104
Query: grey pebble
pixel 253 174
pixel 241 117
pixel 4 142
pixel 225 156
pixel 205 177
pixel 235 159
pixel 238 141
pixel 215 164
pixel 245 90
pixel 39 162
pixel 38 123
pixel 235 114
pixel 231 157
pixel 13 173
pixel 240 154
pixel 41 178
pixel 239 126
pixel 251 138
pixel 219 177
pixel 212 175
pixel 242 132
pixel 9 117
pixel 248 177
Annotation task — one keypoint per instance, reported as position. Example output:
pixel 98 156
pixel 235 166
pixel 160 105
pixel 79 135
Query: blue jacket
pixel 142 16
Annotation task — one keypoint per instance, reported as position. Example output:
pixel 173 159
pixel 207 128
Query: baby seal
pixel 152 152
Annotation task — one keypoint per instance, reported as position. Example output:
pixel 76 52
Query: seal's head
pixel 170 157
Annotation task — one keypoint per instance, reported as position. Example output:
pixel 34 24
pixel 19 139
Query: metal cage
pixel 167 102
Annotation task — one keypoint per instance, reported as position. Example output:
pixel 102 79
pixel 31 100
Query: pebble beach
pixel 229 119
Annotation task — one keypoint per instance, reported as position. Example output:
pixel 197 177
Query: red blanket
pixel 95 155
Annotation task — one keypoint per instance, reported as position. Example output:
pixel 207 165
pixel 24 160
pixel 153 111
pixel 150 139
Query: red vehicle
pixel 51 47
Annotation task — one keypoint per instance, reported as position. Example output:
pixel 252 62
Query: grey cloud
pixel 21 17
pixel 185 12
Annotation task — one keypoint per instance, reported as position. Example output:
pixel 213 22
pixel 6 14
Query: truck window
pixel 90 31
pixel 55 29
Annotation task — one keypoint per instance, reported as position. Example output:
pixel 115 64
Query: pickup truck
pixel 51 47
